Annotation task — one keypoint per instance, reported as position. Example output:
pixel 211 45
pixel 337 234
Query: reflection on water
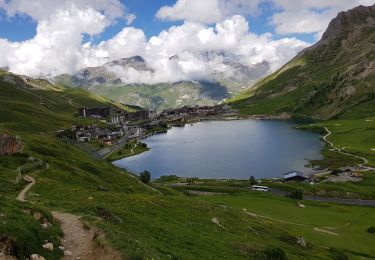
pixel 228 149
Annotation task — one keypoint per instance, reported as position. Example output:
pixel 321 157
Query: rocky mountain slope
pixel 112 81
pixel 335 77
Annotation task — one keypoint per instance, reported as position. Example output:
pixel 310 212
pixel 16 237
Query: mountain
pixel 112 81
pixel 333 78
pixel 113 202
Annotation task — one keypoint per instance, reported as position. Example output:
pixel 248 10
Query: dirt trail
pixel 339 150
pixel 21 195
pixel 81 242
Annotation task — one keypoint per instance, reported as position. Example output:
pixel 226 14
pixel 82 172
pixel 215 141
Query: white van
pixel 259 188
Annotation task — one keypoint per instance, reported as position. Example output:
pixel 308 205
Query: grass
pixel 130 149
pixel 355 135
pixel 137 221
pixel 350 222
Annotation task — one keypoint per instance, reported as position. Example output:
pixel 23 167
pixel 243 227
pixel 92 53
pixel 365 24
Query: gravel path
pixel 78 242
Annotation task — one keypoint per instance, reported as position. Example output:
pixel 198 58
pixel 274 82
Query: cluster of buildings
pixel 196 111
pixel 116 115
pixel 117 124
pixel 107 134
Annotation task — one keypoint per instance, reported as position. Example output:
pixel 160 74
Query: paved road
pixel 358 202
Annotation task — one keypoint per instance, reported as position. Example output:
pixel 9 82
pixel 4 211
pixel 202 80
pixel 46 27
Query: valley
pixel 235 190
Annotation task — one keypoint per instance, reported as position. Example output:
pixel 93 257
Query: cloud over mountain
pixel 212 31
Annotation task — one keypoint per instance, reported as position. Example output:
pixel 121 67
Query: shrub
pixel 252 180
pixel 145 176
pixel 336 172
pixel 371 230
pixel 337 254
pixel 274 253
pixel 297 195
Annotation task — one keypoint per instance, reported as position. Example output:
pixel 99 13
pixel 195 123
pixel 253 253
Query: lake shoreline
pixel 289 127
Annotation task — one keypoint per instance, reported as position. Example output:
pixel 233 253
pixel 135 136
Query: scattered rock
pixel 216 221
pixel 90 198
pixel 68 253
pixel 62 248
pixel 48 246
pixel 301 241
pixel 36 257
pixel 46 225
pixel 7 245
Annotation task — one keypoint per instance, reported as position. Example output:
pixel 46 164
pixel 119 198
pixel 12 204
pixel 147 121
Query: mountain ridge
pixel 333 77
pixel 112 78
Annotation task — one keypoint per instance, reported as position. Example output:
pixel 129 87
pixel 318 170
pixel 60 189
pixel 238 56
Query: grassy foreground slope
pixel 137 221
pixel 333 77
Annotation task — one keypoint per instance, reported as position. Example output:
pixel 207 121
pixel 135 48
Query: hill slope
pixel 335 77
pixel 138 222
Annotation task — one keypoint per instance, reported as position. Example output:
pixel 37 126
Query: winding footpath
pixel 78 242
pixel 339 150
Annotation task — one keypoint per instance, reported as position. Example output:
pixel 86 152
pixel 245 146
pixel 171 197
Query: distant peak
pixel 361 16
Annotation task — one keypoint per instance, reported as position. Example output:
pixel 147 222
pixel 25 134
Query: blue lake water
pixel 228 150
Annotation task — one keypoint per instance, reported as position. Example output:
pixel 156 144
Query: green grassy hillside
pixel 138 221
pixel 333 78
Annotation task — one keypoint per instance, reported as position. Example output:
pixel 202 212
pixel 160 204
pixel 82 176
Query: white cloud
pixel 207 11
pixel 306 16
pixel 57 45
pixel 201 51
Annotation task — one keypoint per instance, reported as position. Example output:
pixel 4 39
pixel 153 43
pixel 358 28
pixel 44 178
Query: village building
pixel 101 112
pixel 295 176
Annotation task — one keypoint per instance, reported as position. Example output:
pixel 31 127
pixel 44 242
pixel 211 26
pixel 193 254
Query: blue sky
pixel 50 37
pixel 22 27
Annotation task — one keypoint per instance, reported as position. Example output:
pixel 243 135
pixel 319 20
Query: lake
pixel 228 150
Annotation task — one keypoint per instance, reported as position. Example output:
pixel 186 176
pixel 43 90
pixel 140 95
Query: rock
pixel 90 198
pixel 216 221
pixel 36 257
pixel 46 225
pixel 37 216
pixel 68 253
pixel 62 248
pixel 48 246
pixel 301 205
pixel 301 241
pixel 102 188
pixel 9 145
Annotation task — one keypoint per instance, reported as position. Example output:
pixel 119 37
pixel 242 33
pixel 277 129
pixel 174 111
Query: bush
pixel 297 195
pixel 371 230
pixel 336 172
pixel 252 180
pixel 274 253
pixel 337 254
pixel 145 176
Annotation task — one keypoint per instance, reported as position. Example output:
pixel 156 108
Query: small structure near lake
pixel 295 176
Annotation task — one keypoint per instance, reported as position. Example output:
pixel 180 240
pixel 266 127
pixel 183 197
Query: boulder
pixel 9 145
pixel 301 241
pixel 48 246
pixel 68 253
pixel 36 257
